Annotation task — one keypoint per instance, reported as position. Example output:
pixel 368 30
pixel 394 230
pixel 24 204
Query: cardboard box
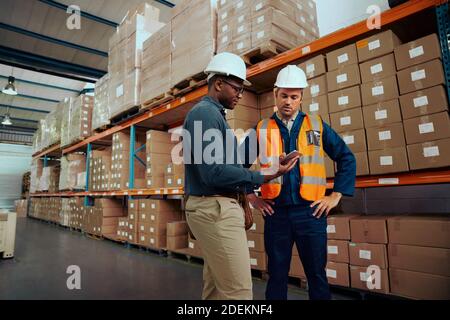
pixel 361 279
pixel 417 51
pixel 158 206
pixel 314 67
pixel 388 136
pixel 160 219
pixel 347 120
pixel 255 241
pixel 158 158
pixel 194 248
pixel 369 229
pixel 378 68
pixel 317 87
pixel 258 223
pixel 416 231
pixel 342 57
pixel 355 140
pixel 317 105
pixel 434 154
pixel 258 260
pixel 266 100
pixel 344 77
pixel 157 241
pixel 382 113
pixel 378 91
pixel 339 226
pixel 423 102
pixel 177 242
pixel 362 164
pixel 241 125
pixel 133 207
pixel 249 99
pixel 367 254
pixel 422 76
pixel 338 251
pixel 330 167
pixel 282 5
pixel 268 112
pixel 338 274
pixel 388 161
pixel 377 45
pixel 156 170
pixel 177 228
pixel 296 268
pixel 427 128
pixel 419 285
pixel 243 113
pixel 344 99
pixel 155 182
pixel 420 259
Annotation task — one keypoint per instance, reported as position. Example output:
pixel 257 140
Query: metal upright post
pixel 131 158
pixel 88 156
pixel 442 17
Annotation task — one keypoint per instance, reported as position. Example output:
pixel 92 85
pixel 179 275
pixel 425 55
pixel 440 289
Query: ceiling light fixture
pixel 10 88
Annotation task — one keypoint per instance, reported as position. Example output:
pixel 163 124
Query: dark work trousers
pixel 296 224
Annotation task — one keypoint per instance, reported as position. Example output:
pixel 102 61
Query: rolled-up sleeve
pixel 338 151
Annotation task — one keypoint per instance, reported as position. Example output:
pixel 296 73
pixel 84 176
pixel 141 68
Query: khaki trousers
pixel 218 225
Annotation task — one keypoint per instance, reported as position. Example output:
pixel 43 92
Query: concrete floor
pixel 108 270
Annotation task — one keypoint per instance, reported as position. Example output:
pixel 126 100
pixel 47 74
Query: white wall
pixel 337 14
pixel 15 160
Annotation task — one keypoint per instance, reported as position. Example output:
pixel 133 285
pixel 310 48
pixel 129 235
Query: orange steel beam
pixel 46 151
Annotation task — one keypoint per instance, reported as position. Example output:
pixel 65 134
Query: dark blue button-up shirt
pixel 333 145
pixel 223 176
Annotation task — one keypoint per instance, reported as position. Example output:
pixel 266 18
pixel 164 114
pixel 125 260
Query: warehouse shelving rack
pixel 172 114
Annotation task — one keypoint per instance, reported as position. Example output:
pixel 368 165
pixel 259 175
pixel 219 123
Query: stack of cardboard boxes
pixel 21 208
pixel 49 181
pixel 100 111
pixel 419 251
pixel 103 217
pixel 379 91
pixel 80 118
pixel 125 57
pixel 100 170
pixel 255 239
pixel 424 103
pixel 64 215
pixel 76 212
pixel 174 176
pixel 368 247
pixel 156 65
pixel 72 165
pixel 147 221
pixel 158 149
pixel 193 38
pixel 120 162
pixel 277 25
pixel 177 235
pixel 245 115
pixel 50 128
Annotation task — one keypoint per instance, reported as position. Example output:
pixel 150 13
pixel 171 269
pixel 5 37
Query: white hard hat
pixel 228 64
pixel 291 77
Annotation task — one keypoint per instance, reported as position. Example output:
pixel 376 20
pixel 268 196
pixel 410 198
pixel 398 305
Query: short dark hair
pixel 213 79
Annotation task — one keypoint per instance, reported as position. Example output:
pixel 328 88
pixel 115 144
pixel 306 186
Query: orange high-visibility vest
pixel 313 180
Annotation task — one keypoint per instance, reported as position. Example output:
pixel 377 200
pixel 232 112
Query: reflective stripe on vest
pixel 312 165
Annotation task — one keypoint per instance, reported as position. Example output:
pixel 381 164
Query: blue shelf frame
pixel 443 24
pixel 88 200
pixel 133 156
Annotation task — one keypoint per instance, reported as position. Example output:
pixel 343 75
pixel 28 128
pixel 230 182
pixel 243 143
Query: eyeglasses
pixel 237 89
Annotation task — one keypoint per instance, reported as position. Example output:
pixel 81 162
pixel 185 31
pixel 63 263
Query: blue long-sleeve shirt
pixel 333 145
pixel 207 127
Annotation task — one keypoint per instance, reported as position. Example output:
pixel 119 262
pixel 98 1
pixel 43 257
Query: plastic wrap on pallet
pixel 66 107
pixel 65 212
pixel 80 118
pixel 194 28
pixel 100 111
pixel 71 166
pixel 35 176
pixel 37 140
pixel 156 65
pixel 49 181
pixel 125 57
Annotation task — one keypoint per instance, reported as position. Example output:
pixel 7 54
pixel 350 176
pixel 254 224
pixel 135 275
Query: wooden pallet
pixel 94 236
pixel 125 115
pixel 262 53
pixel 102 128
pixel 188 85
pixel 157 101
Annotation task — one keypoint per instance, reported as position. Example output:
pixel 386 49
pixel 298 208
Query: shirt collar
pixel 216 103
pixel 285 122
